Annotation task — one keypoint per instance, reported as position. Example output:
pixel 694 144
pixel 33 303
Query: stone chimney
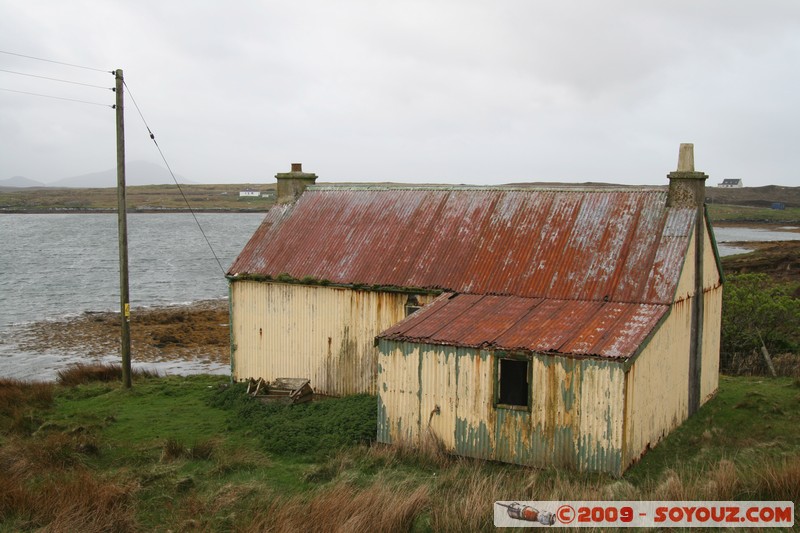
pixel 292 184
pixel 687 188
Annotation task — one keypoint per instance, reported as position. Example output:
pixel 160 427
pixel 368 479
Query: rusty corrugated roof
pixel 586 328
pixel 596 245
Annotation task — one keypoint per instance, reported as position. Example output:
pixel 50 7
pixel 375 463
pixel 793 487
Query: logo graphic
pixel 529 514
pixel 565 514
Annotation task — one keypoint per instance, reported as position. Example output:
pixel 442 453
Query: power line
pixel 153 137
pixel 56 97
pixel 56 62
pixel 57 79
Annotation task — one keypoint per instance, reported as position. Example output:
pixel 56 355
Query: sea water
pixel 54 266
pixel 725 235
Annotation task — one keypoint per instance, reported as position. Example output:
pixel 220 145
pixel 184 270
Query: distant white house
pixel 249 193
pixel 730 183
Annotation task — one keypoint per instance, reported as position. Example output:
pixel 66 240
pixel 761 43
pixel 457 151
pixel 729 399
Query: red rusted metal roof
pixel 572 327
pixel 597 245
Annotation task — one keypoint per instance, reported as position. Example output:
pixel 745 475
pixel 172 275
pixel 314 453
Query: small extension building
pixel 571 328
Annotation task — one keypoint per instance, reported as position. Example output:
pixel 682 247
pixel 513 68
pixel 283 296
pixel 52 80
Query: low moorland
pixel 139 198
pixel 748 204
pixel 197 454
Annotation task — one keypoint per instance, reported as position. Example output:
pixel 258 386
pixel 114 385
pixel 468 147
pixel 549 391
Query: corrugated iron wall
pixel 325 334
pixel 575 418
pixel 711 276
pixel 712 322
pixel 711 342
pixel 657 387
pixel 656 394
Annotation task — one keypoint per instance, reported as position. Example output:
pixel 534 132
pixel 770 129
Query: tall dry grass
pixel 722 482
pixel 461 501
pixel 18 399
pixel 787 364
pixel 777 480
pixel 83 373
pixel 49 490
pixel 343 508
pixel 44 484
pixel 77 501
pixel 460 491
pixel 753 364
pixel 428 453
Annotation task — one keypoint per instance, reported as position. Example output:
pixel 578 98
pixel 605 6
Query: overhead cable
pixel 153 137
pixel 57 79
pixel 56 62
pixel 57 97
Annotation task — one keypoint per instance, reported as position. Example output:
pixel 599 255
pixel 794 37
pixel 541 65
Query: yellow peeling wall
pixel 712 323
pixel 712 306
pixel 325 334
pixel 711 276
pixel 575 419
pixel 656 394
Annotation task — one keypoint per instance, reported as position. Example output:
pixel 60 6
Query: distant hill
pixel 136 173
pixel 20 181
pixel 755 196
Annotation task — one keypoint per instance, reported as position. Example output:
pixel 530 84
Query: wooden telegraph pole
pixel 124 299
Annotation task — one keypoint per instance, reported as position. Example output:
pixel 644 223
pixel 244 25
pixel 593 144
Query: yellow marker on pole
pixel 128 312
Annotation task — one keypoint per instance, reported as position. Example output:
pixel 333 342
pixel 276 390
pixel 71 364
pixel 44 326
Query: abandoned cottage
pixel 572 327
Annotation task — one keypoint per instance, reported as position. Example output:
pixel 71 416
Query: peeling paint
pixel 575 418
pixel 472 441
pixel 324 334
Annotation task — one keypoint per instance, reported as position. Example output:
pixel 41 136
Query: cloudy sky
pixel 445 91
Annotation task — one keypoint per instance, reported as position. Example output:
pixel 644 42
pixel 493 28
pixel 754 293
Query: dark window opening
pixel 412 304
pixel 513 382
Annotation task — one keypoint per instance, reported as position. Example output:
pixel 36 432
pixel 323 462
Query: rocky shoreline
pixel 197 331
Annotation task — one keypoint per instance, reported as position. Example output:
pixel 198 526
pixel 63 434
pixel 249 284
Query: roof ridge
pixel 638 189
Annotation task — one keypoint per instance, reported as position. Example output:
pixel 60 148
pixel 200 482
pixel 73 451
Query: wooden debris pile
pixel 284 390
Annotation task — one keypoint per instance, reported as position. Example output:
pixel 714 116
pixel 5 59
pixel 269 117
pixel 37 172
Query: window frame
pixel 496 381
pixel 412 305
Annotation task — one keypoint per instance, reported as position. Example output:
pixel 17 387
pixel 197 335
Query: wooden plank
pixel 290 383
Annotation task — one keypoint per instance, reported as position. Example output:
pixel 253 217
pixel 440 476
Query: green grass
pixel 189 453
pixel 147 414
pixel 750 420
pixel 136 427
pixel 743 213
pixel 310 430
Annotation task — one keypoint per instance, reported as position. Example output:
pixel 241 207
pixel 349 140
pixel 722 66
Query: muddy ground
pixel 198 331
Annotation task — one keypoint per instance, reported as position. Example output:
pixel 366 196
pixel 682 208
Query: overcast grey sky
pixel 446 91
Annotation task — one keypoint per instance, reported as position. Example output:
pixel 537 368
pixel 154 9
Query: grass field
pixel 191 453
pixel 742 213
